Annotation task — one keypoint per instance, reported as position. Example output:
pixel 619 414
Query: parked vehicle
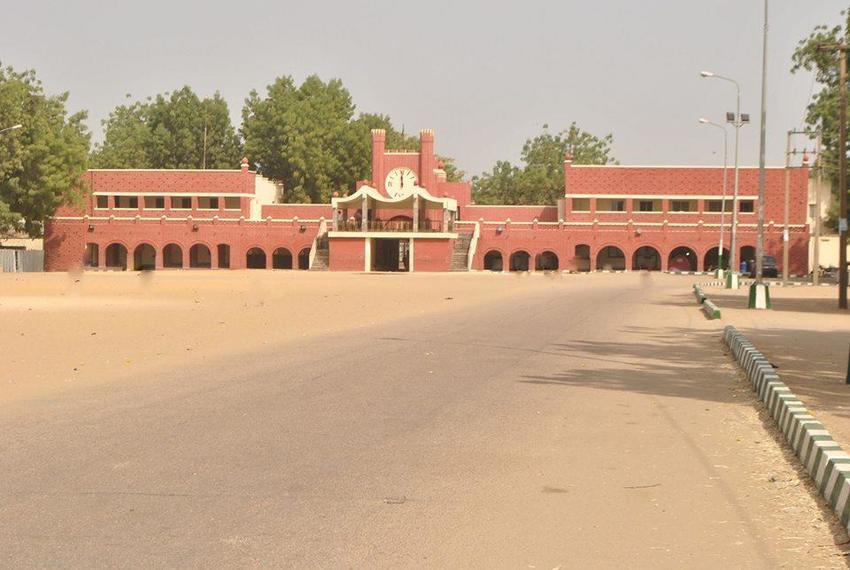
pixel 769 268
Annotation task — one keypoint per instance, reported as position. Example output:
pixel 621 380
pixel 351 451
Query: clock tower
pixel 395 171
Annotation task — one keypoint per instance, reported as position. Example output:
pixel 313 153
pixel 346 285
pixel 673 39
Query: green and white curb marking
pixel 823 459
pixel 700 296
pixel 711 310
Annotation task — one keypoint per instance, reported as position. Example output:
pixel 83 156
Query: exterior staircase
pixel 460 255
pixel 320 261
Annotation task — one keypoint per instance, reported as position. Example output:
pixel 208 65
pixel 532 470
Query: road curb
pixel 747 283
pixel 711 310
pixel 824 460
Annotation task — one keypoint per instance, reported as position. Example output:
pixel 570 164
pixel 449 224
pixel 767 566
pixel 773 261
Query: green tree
pixel 823 109
pixel 541 178
pixel 308 138
pixel 172 130
pixel 41 164
pixel 453 173
pixel 302 136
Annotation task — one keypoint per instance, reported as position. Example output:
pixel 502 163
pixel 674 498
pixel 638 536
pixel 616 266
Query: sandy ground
pixel 59 330
pixel 555 420
pixel 808 338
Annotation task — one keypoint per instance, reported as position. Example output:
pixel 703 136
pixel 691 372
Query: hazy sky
pixel 484 75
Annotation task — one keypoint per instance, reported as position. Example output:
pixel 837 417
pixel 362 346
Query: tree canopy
pixel 540 180
pixel 41 163
pixel 823 110
pixel 176 129
pixel 310 138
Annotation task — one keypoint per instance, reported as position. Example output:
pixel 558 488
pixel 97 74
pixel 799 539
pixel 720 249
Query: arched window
pixel 582 257
pixel 116 256
pixel 546 261
pixel 92 256
pixel 647 258
pixel 748 256
pixel 712 261
pixel 172 256
pixel 255 258
pixel 223 256
pixel 144 257
pixel 304 258
pixel 281 259
pixel 199 256
pixel 682 259
pixel 611 258
pixel 520 261
pixel 493 261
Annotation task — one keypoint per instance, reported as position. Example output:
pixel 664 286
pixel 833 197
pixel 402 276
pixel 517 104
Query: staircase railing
pixel 323 230
pixel 473 245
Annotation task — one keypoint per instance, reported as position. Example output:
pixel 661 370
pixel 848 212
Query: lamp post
pixel 723 201
pixel 737 121
pixel 759 292
pixel 12 128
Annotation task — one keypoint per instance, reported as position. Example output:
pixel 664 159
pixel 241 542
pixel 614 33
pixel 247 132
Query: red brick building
pixel 409 218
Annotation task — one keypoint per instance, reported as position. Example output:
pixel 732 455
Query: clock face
pixel 400 182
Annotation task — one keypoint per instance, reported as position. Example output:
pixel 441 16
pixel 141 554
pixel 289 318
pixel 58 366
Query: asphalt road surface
pixel 573 427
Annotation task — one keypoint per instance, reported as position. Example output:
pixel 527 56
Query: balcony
pixel 435 226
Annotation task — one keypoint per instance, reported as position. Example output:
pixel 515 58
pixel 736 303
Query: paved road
pixel 591 426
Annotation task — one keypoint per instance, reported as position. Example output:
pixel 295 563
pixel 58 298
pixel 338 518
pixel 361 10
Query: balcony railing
pixel 390 226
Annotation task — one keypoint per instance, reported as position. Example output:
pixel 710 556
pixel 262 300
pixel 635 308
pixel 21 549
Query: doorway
pixel 391 255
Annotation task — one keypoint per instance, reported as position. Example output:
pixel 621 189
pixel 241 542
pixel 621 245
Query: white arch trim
pixel 355 199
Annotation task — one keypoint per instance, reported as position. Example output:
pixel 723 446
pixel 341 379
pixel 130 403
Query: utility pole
pixel 786 234
pixel 818 187
pixel 759 294
pixel 842 178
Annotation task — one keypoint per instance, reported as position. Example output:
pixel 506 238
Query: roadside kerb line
pixel 824 460
pixel 711 310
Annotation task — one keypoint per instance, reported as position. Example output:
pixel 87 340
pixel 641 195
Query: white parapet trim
pixel 393 235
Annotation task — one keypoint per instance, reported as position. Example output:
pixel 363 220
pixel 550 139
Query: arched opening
pixel 582 257
pixel 172 256
pixel 711 259
pixel 546 261
pixel 520 261
pixel 682 259
pixel 281 259
pixel 493 261
pixel 748 256
pixel 223 256
pixel 611 258
pixel 116 256
pixel 396 224
pixel 92 255
pixel 200 257
pixel 144 257
pixel 304 258
pixel 647 258
pixel 255 258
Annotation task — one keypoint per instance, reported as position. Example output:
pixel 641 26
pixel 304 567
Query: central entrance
pixel 391 255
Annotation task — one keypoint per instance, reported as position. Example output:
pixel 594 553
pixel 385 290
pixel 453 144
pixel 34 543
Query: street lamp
pixel 737 121
pixel 12 128
pixel 704 121
pixel 759 293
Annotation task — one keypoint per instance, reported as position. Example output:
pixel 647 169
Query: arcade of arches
pixel 612 258
pixel 144 257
